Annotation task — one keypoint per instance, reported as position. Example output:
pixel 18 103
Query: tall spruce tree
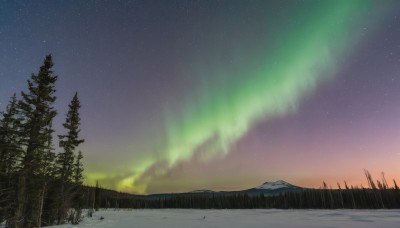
pixel 65 161
pixel 37 112
pixel 70 141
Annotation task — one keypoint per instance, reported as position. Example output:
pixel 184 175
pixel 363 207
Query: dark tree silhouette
pixel 37 113
pixel 66 159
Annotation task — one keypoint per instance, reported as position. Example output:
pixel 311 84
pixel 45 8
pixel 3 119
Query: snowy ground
pixel 171 218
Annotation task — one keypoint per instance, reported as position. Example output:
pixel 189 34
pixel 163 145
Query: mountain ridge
pixel 269 185
pixel 267 189
pixel 276 185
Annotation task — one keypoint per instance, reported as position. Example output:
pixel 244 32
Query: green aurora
pixel 256 85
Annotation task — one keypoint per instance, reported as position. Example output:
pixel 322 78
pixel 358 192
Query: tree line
pixel 37 185
pixel 378 195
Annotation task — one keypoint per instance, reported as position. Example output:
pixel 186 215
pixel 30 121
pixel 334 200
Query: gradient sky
pixel 222 95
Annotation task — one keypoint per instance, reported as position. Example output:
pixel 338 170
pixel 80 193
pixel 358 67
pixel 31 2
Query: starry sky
pixel 222 94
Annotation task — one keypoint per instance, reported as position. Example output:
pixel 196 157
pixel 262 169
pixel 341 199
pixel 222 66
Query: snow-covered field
pixel 242 218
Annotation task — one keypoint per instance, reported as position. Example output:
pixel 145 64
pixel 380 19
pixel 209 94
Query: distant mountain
pixel 273 188
pixel 280 184
pixel 268 188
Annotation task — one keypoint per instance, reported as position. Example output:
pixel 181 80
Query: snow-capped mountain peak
pixel 275 185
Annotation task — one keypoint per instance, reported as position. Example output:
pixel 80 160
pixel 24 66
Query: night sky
pixel 222 95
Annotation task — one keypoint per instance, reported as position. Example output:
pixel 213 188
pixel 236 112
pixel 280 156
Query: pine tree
pixel 37 112
pixel 70 141
pixel 65 161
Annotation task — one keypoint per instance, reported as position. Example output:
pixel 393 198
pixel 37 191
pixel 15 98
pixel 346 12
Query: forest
pixel 39 184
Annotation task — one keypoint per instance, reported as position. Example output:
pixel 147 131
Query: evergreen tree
pixel 66 159
pixel 37 112
pixel 70 141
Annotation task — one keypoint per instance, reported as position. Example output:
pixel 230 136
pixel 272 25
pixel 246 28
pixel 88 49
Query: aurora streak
pixel 231 98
